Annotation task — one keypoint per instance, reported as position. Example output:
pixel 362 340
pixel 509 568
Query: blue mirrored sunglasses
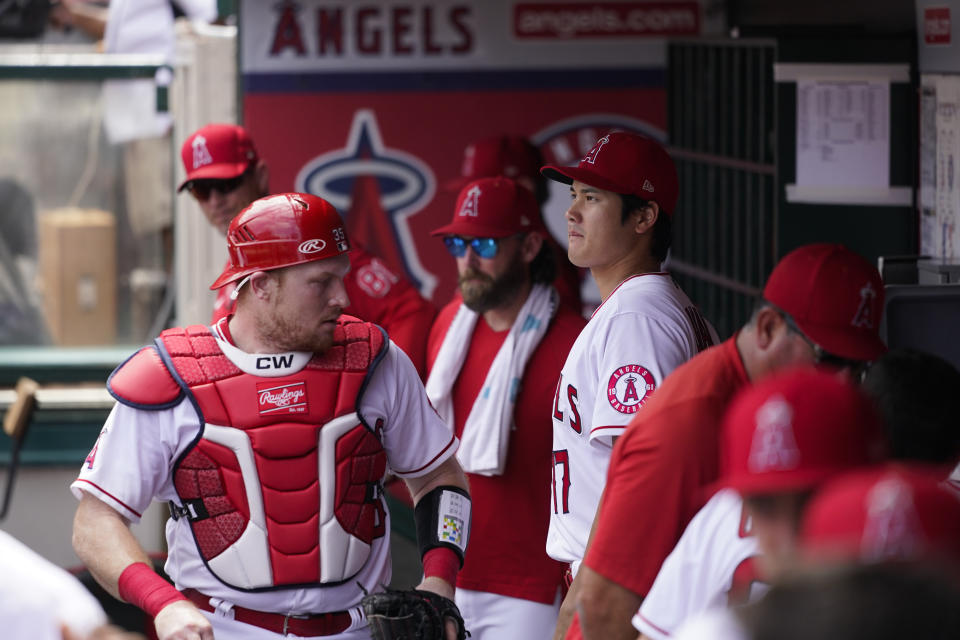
pixel 483 247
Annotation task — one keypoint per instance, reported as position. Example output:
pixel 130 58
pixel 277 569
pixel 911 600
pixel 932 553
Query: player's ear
pixel 530 247
pixel 646 217
pixel 768 323
pixel 262 284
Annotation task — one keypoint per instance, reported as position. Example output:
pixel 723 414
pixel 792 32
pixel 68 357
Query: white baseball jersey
pixel 132 462
pixel 37 597
pixel 642 331
pixel 715 624
pixel 699 573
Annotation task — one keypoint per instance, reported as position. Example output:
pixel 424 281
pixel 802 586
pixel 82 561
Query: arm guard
pixel 442 518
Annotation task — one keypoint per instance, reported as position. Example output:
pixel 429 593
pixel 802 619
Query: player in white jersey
pixel 41 601
pixel 624 192
pixel 269 435
pixel 782 438
pixel 712 566
pixel 634 339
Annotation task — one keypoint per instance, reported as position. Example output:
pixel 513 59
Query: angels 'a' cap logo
pixel 892 528
pixel 201 155
pixel 774 446
pixel 864 315
pixel 469 208
pixel 312 246
pixel 629 388
pixel 591 157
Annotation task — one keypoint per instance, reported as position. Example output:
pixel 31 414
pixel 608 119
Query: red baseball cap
pixel 217 151
pixel 896 512
pixel 628 164
pixel 493 208
pixel 508 156
pixel 835 297
pixel 281 231
pixel 794 429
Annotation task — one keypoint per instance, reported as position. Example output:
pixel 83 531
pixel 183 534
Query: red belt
pixel 321 624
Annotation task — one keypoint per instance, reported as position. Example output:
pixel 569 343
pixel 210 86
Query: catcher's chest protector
pixel 283 486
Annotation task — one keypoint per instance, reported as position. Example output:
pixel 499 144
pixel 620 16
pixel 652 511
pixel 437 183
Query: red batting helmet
pixel 281 231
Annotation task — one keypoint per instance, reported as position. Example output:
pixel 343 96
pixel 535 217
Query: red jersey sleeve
pixel 380 296
pixel 654 487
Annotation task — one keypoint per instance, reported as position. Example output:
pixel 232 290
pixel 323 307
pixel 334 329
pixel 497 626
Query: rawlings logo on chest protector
pixel 287 398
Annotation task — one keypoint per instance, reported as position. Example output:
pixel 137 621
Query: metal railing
pixel 721 124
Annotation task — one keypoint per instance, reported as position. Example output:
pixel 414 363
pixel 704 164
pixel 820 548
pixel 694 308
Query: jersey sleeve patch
pixel 629 387
pixel 143 381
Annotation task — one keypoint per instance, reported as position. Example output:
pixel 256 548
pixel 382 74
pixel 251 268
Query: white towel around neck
pixel 486 433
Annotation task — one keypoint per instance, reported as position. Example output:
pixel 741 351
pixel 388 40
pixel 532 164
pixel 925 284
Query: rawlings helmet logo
pixel 312 246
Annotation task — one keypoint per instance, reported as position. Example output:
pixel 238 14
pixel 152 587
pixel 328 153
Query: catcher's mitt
pixel 411 614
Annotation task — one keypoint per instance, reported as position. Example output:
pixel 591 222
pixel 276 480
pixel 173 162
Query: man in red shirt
pixel 822 304
pixel 225 174
pixel 517 158
pixel 493 356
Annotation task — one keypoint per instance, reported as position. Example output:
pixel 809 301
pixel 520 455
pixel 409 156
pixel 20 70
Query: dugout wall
pixel 748 195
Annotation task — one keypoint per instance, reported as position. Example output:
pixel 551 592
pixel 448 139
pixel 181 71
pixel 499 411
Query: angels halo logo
pixel 404 183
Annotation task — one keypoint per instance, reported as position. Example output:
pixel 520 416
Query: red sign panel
pixel 936 25
pixel 371 105
pixel 605 19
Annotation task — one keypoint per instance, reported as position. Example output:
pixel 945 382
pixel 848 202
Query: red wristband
pixel 442 563
pixel 141 586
